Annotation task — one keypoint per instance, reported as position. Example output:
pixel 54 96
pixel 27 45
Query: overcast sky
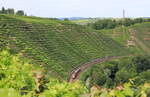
pixel 81 8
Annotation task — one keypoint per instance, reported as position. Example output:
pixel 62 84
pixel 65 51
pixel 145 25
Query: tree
pixel 3 10
pixel 142 63
pixel 66 19
pixel 123 76
pixel 98 78
pixel 10 11
pixel 128 22
pixel 20 13
pixel 139 20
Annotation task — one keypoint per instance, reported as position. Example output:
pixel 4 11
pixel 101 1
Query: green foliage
pixel 126 90
pixel 15 74
pixel 3 10
pixel 112 23
pixel 66 19
pixel 123 76
pixel 63 89
pixel 142 62
pixel 143 77
pixel 116 72
pixel 5 92
pixel 103 24
pixel 11 11
pixel 16 77
pixel 20 13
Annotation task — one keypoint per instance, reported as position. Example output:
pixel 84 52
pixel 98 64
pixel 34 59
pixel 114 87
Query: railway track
pixel 76 73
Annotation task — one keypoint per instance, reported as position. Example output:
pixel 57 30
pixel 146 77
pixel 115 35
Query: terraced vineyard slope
pixel 58 46
pixel 136 37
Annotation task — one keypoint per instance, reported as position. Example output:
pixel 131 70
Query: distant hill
pixel 58 46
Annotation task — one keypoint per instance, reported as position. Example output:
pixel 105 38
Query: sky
pixel 81 8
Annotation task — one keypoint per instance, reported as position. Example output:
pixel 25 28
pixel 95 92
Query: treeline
pixel 112 23
pixel 11 11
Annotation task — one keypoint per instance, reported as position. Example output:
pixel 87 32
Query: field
pixel 85 21
pixel 58 46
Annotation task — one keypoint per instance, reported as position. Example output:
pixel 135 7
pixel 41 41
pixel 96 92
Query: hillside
pixel 58 46
pixel 136 37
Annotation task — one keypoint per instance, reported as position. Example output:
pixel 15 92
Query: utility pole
pixel 123 13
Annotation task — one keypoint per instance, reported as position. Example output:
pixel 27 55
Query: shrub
pixel 15 73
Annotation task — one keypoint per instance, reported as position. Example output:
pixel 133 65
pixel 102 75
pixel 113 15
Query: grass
pixel 58 46
pixel 85 21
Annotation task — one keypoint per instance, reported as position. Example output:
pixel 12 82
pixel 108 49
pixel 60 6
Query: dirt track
pixel 76 73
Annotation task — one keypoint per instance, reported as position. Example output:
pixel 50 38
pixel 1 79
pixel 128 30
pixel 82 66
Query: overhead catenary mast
pixel 123 13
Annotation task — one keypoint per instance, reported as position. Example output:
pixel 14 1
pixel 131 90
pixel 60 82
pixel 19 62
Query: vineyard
pixel 59 46
pixel 136 37
pixel 74 48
